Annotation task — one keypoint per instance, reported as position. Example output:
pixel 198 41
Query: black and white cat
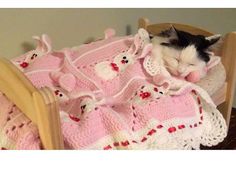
pixel 183 53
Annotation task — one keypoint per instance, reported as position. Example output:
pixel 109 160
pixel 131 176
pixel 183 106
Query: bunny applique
pixel 149 92
pixel 108 70
pixel 66 91
pixel 43 47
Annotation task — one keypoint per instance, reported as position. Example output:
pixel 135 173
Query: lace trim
pixel 151 66
pixel 144 36
pixel 215 129
pixel 210 129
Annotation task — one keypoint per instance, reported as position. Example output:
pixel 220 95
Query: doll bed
pixel 41 106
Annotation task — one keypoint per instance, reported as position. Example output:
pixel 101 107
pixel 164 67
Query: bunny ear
pixel 140 40
pixel 144 35
pixel 39 42
pixel 162 80
pixel 65 81
pixel 47 42
pixel 56 75
pixel 136 44
pixel 44 43
pixel 146 50
pixel 109 33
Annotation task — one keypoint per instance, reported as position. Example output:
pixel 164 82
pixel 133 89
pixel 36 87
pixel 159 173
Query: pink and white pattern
pixel 109 100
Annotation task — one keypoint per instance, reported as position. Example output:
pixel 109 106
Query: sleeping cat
pixel 184 55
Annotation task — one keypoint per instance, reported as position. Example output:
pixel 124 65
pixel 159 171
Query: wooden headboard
pixel 39 105
pixel 227 51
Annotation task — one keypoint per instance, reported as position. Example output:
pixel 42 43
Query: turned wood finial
pixel 143 23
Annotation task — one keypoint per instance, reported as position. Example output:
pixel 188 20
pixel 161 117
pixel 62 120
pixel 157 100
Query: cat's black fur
pixel 181 39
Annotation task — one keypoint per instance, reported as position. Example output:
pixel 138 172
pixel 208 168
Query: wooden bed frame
pixel 41 106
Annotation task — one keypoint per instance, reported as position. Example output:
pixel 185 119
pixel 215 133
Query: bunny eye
pixel 33 56
pixel 124 61
pixel 57 92
pixel 83 107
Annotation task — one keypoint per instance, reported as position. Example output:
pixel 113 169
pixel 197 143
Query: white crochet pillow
pixel 214 80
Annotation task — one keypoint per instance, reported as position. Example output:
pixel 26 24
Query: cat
pixel 183 53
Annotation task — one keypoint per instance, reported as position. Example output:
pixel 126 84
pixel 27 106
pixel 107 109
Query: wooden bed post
pixel 143 23
pixel 48 119
pixel 39 105
pixel 229 61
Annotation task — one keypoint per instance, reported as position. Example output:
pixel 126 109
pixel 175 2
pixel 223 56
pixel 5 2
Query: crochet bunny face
pixel 122 61
pixel 43 48
pixel 149 92
pixel 87 105
pixel 62 97
pixel 109 70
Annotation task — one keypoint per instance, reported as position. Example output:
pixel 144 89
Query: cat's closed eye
pixel 177 59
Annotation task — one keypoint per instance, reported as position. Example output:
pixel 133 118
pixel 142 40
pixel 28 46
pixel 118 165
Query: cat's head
pixel 184 52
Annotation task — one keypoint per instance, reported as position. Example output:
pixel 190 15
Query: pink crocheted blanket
pixel 109 100
pixel 16 130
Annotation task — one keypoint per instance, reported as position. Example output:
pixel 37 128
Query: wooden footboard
pixel 39 105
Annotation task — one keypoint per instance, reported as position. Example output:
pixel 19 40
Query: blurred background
pixel 72 27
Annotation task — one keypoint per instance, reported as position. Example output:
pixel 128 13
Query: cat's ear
pixel 173 32
pixel 173 29
pixel 213 39
pixel 214 42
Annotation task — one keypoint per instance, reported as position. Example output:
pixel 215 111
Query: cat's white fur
pixel 178 62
